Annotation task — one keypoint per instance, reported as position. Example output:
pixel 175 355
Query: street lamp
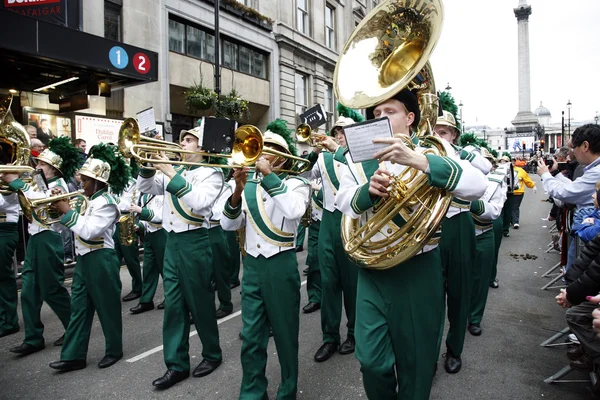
pixel 562 132
pixel 596 118
pixel 569 118
pixel 448 87
pixel 484 138
pixel 523 148
pixel 462 124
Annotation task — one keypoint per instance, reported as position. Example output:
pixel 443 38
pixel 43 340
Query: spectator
pixel 44 133
pixel 32 131
pixel 36 147
pixel 589 228
pixel 81 145
pixel 519 193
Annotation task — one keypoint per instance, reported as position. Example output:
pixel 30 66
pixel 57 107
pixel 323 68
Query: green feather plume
pixel 71 157
pixel 506 153
pixel 494 153
pixel 447 103
pixel 120 172
pixel 344 111
pixel 468 139
pixel 279 127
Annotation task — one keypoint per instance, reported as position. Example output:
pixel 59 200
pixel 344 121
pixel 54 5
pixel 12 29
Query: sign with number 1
pixel 118 57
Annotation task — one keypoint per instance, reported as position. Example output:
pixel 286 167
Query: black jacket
pixel 583 278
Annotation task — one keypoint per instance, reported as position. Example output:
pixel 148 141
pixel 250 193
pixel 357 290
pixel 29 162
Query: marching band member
pixel 399 311
pixel 338 273
pixel 155 238
pixel 190 193
pixel 130 253
pixel 96 283
pixel 457 249
pixel 313 278
pixel 269 210
pixel 9 239
pixel 43 272
pixel 484 211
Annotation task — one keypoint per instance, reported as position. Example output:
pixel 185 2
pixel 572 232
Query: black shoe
pixel 142 307
pixel 452 364
pixel 25 349
pixel 299 249
pixel 325 352
pixel 233 285
pixel 132 296
pixel 494 284
pixel 305 271
pixel 107 361
pixel 575 352
pixel 205 368
pixel 348 346
pixel 60 340
pixel 70 365
pixel 170 378
pixel 311 307
pixel 161 305
pixel 505 235
pixel 583 363
pixel 8 332
pixel 474 329
pixel 222 313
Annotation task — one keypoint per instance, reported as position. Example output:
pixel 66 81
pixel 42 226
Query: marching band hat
pixel 276 139
pixel 342 122
pixel 409 100
pixel 505 159
pixel 447 119
pixel 62 156
pixel 51 158
pixel 96 169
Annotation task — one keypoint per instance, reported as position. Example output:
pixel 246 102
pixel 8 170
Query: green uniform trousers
pixel 457 249
pixel 131 254
pixel 96 287
pixel 9 239
pixel 498 225
pixel 234 257
pixel 399 312
pixel 42 279
pixel 154 255
pixel 338 278
pixel 301 234
pixel 270 296
pixel 221 266
pixel 507 213
pixel 313 279
pixel 187 279
pixel 482 270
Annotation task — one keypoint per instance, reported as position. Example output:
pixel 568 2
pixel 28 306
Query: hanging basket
pixel 232 106
pixel 199 98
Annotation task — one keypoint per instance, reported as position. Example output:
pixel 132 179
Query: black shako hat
pixel 409 100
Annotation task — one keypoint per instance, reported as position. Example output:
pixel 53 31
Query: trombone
pixel 40 208
pixel 248 146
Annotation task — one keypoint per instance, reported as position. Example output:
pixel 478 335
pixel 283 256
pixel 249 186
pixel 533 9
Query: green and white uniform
pixel 155 239
pixel 270 212
pixel 400 310
pixel 43 270
pixel 188 268
pixel 131 253
pixel 9 239
pixel 96 282
pixel 338 273
pixel 457 249
pixel 484 211
pixel 313 278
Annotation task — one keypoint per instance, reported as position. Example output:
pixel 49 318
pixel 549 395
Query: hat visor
pixel 91 175
pixel 49 162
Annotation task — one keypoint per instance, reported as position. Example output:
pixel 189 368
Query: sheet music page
pixel 146 120
pixel 359 138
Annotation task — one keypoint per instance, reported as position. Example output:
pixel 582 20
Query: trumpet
pixel 248 146
pixel 41 211
pixel 305 134
pixel 24 172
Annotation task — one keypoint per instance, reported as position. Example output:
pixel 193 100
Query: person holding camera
pixel 519 192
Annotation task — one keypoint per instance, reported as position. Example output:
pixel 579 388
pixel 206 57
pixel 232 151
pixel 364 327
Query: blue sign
pixel 118 57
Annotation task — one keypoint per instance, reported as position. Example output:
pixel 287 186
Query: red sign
pixel 141 62
pixel 17 3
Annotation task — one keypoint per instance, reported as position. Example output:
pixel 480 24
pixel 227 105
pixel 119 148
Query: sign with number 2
pixel 141 62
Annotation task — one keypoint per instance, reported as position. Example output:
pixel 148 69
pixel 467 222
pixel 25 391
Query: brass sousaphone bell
pixel 388 52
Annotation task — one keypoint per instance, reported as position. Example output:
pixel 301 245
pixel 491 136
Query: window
pixel 302 21
pixel 330 27
pixel 329 106
pixel 112 20
pixel 198 42
pixel 301 93
pixel 176 36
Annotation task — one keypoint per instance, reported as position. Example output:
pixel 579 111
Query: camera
pixel 548 162
pixel 564 166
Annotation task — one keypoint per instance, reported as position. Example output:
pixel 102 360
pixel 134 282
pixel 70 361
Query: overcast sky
pixel 478 49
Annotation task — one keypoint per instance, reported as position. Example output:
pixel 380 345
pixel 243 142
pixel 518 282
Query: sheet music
pixel 359 138
pixel 146 120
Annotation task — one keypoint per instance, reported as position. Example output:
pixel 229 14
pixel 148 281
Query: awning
pixel 37 54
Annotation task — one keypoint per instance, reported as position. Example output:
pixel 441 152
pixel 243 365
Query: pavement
pixel 506 362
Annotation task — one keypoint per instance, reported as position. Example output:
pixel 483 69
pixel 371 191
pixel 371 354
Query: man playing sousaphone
pixel 269 207
pixel 399 310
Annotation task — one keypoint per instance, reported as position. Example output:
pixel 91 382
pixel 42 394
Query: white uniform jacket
pixel 217 210
pixel 152 212
pixel 451 173
pixel 316 203
pixel 270 212
pixel 327 169
pixel 189 196
pixel 32 192
pixel 9 208
pixel 489 207
pixel 130 196
pixel 95 229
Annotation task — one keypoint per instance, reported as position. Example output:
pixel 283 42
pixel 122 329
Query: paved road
pixel 506 362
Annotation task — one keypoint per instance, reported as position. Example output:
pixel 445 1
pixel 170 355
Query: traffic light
pixel 542 143
pixel 524 145
pixel 535 147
